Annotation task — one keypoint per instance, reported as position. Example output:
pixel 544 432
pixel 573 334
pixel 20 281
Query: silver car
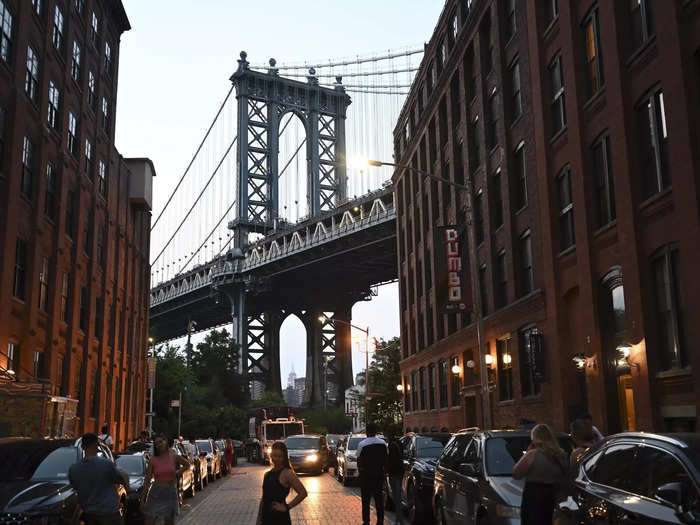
pixel 346 471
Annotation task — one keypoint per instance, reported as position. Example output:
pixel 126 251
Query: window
pixel 65 283
pixel 57 36
pixel 486 47
pixel 501 280
pixel 101 246
pixel 594 65
pixel 88 158
pixel 108 58
pixel 93 391
pixel 552 8
pixel 75 64
pixel 613 468
pixel 431 387
pixel 442 382
pixel 479 216
pixel 527 278
pixel 86 233
pixel 94 26
pixel 515 98
pixel 492 128
pixel 528 383
pixel 59 376
pixel 50 191
pixel 556 86
pixel 669 308
pixel 455 28
pixel 483 293
pixel 70 213
pixel 642 23
pixel 54 101
pixel 105 115
pixel 456 382
pixel 27 163
pixel 6 37
pixel 474 145
pixel 72 134
pixel 102 178
pixel 31 76
pixel 519 178
pixel 79 6
pixel 83 308
pixel 19 280
pixel 653 145
pixel 92 98
pixel 511 26
pixel 99 306
pixel 414 390
pixel 603 179
pixel 36 368
pixel 422 388
pixel 12 357
pixel 43 283
pixel 505 369
pixel 566 210
pixel 496 201
pixel 455 110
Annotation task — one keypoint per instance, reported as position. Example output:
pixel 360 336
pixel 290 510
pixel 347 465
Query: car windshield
pixel 430 446
pixel 274 431
pixel 502 453
pixel 204 446
pixel 132 464
pixel 22 461
pixel 303 443
pixel 353 442
pixel 292 429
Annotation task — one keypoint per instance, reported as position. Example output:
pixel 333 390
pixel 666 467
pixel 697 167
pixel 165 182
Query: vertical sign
pixel 449 243
pixel 151 372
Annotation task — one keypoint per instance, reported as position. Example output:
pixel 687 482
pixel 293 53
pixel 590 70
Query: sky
pixel 174 70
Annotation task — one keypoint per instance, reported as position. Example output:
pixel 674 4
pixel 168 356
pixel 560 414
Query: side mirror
pixel 468 469
pixel 670 493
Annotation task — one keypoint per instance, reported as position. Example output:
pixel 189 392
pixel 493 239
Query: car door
pixel 446 475
pixel 467 484
pixel 408 456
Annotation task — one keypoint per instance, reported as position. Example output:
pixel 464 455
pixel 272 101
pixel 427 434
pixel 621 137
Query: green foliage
pixel 330 421
pixel 384 375
pixel 268 399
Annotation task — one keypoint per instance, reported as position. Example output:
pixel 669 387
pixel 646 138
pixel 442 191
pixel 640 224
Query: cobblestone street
pixel 235 499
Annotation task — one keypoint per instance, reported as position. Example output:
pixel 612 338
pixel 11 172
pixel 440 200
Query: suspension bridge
pixel 284 223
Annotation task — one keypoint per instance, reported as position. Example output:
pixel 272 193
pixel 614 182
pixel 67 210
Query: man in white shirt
pixel 106 438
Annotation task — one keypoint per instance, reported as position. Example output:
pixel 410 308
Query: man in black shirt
pixel 394 470
pixel 371 460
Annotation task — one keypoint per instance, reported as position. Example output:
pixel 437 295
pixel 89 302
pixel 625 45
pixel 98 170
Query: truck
pixel 267 425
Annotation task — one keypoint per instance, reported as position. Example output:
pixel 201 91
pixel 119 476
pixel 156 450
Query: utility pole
pixel 476 295
pixel 366 376
pixel 151 383
pixel 179 415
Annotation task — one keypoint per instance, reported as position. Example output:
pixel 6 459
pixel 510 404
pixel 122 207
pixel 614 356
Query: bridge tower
pixel 263 99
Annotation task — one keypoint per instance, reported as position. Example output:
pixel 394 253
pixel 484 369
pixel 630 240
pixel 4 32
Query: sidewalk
pixel 235 499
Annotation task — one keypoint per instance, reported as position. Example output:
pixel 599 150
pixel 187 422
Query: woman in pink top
pixel 164 468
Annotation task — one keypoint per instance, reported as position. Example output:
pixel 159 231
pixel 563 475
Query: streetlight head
pixel 456 369
pixel 399 387
pixel 374 163
pixel 151 340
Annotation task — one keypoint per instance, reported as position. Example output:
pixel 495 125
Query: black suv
pixel 420 455
pixel 308 453
pixel 473 481
pixel 636 478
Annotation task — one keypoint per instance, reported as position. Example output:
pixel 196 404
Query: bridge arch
pixel 293 166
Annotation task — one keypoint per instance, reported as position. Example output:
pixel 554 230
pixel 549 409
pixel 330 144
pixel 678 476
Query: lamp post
pixel 322 318
pixel 151 380
pixel 476 296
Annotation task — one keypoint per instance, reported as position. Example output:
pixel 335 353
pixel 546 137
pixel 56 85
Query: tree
pixel 330 421
pixel 384 375
pixel 268 399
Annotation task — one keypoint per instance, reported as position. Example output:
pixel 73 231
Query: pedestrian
pixel 544 467
pixel 583 437
pixel 598 435
pixel 394 470
pixel 106 438
pixel 274 509
pixel 228 454
pixel 144 437
pixel 94 479
pixel 164 468
pixel 372 456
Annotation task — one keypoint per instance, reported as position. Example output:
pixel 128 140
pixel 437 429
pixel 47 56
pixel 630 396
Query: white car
pixel 346 471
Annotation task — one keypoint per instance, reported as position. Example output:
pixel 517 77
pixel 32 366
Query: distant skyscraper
pixel 300 388
pixel 292 378
pixel 256 389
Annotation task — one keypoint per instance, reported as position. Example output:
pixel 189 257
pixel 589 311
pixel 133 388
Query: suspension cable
pixel 349 62
pixel 208 236
pixel 292 158
pixel 196 200
pixel 377 92
pixel 193 158
pixel 358 74
pixel 370 86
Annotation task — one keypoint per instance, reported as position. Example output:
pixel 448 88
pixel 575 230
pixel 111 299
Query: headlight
pixel 268 450
pixel 312 458
pixel 507 512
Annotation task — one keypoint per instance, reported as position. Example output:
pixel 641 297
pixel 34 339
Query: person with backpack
pixel 394 470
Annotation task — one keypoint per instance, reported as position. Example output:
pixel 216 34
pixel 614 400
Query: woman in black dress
pixel 276 484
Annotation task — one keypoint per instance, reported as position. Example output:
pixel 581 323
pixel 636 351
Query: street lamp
pixel 476 296
pixel 399 387
pixel 456 369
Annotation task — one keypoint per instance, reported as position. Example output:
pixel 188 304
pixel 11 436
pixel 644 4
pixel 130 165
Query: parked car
pixel 135 465
pixel 222 458
pixel 333 442
pixel 199 464
pixel 211 453
pixel 346 471
pixel 473 480
pixel 185 481
pixel 308 453
pixel 239 448
pixel 34 486
pixel 420 455
pixel 635 478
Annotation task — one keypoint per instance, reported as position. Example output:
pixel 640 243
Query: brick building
pixel 74 226
pixel 577 124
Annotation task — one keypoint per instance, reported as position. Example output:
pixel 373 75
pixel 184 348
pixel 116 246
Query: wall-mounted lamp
pixel 471 364
pixel 488 359
pixel 399 387
pixel 507 359
pixel 456 369
pixel 408 387
pixel 623 357
pixel 581 362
